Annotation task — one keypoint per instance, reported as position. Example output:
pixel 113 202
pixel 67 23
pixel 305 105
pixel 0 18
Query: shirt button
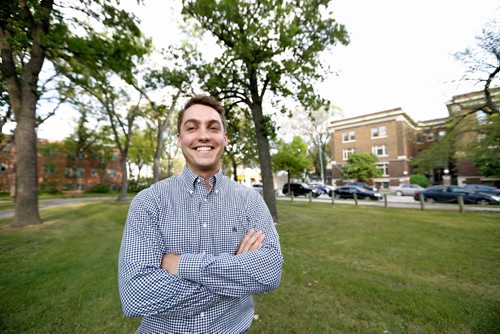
pixel 204 200
pixel 204 225
pixel 216 191
pixel 202 314
pixel 203 253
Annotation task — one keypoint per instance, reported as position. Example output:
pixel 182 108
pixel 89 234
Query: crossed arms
pixel 153 283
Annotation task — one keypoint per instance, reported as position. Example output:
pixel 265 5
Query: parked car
pixel 259 188
pixel 482 188
pixel 362 185
pixel 322 189
pixel 300 189
pixel 406 189
pixel 361 193
pixel 449 194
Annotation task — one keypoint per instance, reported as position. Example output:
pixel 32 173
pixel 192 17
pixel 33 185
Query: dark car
pixel 362 185
pixel 482 188
pixel 450 194
pixel 361 193
pixel 321 188
pixel 300 189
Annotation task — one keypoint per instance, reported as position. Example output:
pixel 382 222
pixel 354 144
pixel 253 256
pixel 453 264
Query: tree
pixel 177 78
pixel 270 47
pixel 362 166
pixel 486 153
pixel 292 157
pixel 483 65
pixel 142 150
pixel 241 148
pixel 471 120
pixel 32 32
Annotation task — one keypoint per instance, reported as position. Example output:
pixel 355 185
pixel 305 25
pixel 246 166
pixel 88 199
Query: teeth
pixel 203 148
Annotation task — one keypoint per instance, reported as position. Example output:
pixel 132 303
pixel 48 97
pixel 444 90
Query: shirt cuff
pixel 190 266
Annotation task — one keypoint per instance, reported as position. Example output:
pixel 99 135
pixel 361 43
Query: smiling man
pixel 197 246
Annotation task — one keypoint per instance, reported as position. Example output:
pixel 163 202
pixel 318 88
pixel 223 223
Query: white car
pixel 406 189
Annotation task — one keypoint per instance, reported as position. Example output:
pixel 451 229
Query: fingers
pixel 252 241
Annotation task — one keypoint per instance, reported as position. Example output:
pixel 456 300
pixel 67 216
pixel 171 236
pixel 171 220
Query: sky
pixel 400 54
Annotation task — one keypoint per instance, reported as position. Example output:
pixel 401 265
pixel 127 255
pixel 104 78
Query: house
pixel 395 138
pixel 59 169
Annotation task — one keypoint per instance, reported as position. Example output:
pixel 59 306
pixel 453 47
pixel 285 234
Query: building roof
pixel 380 116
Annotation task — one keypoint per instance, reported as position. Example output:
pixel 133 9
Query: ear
pixel 178 140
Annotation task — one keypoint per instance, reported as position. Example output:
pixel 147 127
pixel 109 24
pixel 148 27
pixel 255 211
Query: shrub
pixel 100 188
pixel 419 179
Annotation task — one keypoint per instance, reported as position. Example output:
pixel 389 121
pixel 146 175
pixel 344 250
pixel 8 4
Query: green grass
pixel 347 270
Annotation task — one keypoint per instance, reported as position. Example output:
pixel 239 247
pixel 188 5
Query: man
pixel 196 246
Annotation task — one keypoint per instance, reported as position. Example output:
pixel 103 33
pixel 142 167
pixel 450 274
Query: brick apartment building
pixel 59 170
pixel 396 139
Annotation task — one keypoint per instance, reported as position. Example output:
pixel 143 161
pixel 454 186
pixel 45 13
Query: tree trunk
pixel 235 170
pixel 124 184
pixel 26 212
pixel 265 160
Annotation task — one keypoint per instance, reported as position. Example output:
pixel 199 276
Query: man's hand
pixel 170 262
pixel 252 241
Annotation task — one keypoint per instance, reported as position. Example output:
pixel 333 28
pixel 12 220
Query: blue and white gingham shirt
pixel 213 291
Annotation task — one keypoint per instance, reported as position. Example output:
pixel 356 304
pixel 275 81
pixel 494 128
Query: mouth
pixel 203 148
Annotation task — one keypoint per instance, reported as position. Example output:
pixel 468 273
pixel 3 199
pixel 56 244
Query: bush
pixel 419 179
pixel 134 186
pixel 49 188
pixel 100 188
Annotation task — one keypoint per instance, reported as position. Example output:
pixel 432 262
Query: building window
pixel 69 172
pixel 379 132
pixel 348 136
pixel 80 172
pixel 112 172
pixel 441 134
pixel 384 167
pixel 49 169
pixel 430 136
pixel 420 139
pixel 93 171
pixel 380 150
pixel 3 167
pixel 115 156
pixel 346 152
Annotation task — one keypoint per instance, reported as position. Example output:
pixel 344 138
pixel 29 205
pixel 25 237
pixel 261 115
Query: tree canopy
pixel 269 47
pixel 362 166
pixel 292 157
pixel 64 33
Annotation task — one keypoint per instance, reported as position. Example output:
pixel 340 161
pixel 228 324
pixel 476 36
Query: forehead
pixel 201 113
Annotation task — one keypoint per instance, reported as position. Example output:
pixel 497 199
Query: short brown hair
pixel 205 100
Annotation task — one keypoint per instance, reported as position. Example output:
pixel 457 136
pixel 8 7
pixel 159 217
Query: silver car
pixel 406 189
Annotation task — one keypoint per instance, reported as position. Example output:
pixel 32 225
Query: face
pixel 202 140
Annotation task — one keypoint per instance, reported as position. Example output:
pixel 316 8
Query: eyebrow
pixel 197 121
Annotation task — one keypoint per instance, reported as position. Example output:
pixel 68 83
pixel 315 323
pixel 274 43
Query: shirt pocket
pixel 231 232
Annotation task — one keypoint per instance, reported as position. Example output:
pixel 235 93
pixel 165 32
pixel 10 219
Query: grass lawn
pixel 347 270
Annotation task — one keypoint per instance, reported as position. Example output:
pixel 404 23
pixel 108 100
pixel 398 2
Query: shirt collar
pixel 191 179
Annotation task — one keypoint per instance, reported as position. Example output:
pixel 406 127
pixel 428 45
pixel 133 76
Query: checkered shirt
pixel 212 293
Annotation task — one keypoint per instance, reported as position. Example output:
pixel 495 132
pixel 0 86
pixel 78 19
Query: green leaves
pixel 292 157
pixel 362 166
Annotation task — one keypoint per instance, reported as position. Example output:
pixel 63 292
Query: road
pixel 394 201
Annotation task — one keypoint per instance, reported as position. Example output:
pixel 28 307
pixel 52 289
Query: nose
pixel 203 134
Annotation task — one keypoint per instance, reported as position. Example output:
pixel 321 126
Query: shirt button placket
pixel 204 223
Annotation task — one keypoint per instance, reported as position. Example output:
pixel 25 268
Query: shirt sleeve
pixel 232 275
pixel 146 289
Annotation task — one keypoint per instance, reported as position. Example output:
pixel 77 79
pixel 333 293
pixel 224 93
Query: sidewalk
pixel 55 202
